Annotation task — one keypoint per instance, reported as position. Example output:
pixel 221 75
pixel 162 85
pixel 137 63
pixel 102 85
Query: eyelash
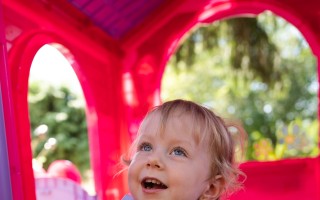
pixel 181 150
pixel 184 153
pixel 143 145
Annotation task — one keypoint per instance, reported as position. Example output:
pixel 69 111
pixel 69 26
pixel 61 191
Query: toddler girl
pixel 183 151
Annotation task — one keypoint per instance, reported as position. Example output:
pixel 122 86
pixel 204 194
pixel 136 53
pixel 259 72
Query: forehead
pixel 175 124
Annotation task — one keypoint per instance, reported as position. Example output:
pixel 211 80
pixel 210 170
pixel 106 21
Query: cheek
pixel 133 174
pixel 202 169
pixel 134 168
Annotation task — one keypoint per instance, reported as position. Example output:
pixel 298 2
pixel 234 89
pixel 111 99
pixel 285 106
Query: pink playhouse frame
pixel 120 75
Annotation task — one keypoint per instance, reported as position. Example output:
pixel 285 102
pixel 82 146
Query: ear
pixel 214 189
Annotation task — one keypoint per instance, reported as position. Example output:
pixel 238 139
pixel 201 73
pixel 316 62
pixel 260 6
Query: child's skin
pixel 174 158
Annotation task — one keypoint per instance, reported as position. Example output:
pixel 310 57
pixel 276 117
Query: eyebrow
pixel 145 137
pixel 173 140
pixel 182 141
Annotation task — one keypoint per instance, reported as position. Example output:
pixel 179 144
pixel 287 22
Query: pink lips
pixel 152 185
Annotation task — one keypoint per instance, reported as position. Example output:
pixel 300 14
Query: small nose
pixel 154 161
pixel 153 164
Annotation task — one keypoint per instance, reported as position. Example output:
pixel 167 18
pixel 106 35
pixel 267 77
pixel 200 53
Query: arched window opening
pixel 260 71
pixel 57 118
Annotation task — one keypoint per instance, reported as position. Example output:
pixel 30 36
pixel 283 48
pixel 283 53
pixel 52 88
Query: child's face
pixel 169 165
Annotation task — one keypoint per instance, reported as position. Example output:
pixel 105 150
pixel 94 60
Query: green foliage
pixel 248 74
pixel 251 52
pixel 64 115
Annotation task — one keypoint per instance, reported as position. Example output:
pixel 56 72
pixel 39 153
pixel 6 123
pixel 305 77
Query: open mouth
pixel 151 183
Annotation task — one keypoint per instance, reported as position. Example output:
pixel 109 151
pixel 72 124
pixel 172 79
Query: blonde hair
pixel 211 128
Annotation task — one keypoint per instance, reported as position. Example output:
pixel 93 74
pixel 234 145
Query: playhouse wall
pixel 281 180
pixel 121 82
pixel 96 61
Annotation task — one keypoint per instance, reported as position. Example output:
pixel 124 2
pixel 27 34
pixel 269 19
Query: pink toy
pixel 119 50
pixel 64 169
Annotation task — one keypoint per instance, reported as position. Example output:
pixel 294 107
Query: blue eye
pixel 179 152
pixel 145 147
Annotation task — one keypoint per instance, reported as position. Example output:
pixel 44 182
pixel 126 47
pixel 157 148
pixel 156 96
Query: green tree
pixel 239 68
pixel 64 115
